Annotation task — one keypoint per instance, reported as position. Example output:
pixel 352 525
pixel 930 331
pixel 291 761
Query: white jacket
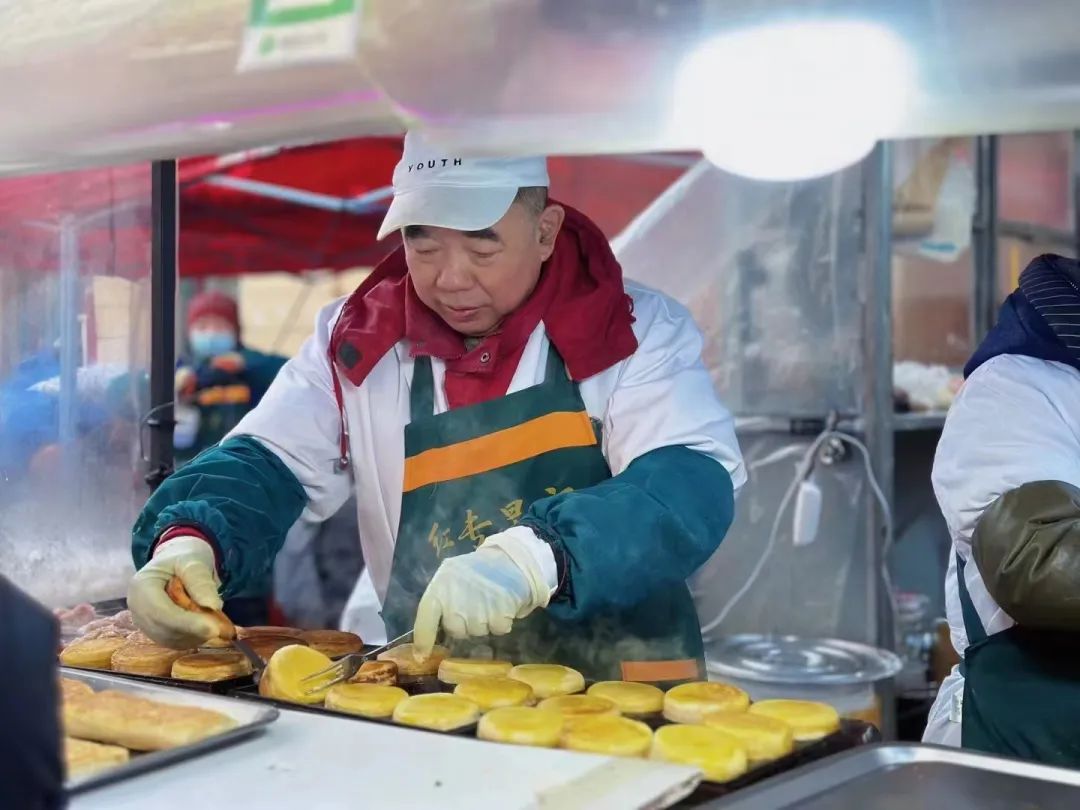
pixel 1016 420
pixel 660 396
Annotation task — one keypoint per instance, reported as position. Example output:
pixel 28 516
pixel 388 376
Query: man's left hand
pixel 230 363
pixel 481 593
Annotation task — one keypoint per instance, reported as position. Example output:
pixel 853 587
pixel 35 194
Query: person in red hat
pixel 222 380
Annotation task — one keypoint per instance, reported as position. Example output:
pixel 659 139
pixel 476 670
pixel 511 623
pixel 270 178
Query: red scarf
pixel 580 299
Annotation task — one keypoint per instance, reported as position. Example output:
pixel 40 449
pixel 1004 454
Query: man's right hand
pixel 192 560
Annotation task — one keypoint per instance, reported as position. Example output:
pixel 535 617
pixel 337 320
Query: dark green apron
pixel 475 471
pixel 1021 690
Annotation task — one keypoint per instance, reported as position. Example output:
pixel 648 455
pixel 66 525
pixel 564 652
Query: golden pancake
pixel 549 680
pixel 224 628
pixel 266 646
pixel 139 637
pixel 287 667
pixel 495 693
pixel 808 719
pixel 409 664
pixel 607 734
pixel 334 643
pixel 209 667
pixel 146 659
pixel 521 725
pixel 95 653
pixel 438 711
pixel 268 630
pixel 380 672
pixel 631 698
pixel 579 705
pixel 139 724
pixel 765 738
pixel 82 757
pixel 365 699
pixel 71 689
pixel 719 756
pixel 690 702
pixel 456 670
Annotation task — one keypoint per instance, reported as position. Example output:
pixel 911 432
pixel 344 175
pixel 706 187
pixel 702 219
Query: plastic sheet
pixel 74 343
pixel 139 78
pixel 770 272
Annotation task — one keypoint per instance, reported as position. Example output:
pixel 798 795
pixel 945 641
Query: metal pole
pixel 877 329
pixel 984 226
pixel 69 350
pixel 1076 192
pixel 163 272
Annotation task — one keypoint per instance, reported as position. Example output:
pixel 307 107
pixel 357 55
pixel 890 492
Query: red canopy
pixel 282 210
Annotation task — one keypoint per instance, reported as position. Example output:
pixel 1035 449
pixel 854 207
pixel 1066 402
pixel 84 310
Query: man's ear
pixel 549 224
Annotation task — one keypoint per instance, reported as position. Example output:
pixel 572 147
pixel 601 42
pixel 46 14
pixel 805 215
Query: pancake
pixel 549 680
pixel 139 724
pixel 690 702
pixel 409 664
pixel 266 646
pixel 268 630
pixel 209 667
pixel 521 725
pixel 334 643
pixel 607 734
pixel 71 689
pixel 719 756
pixel 456 670
pixel 94 653
pixel 82 757
pixel 287 667
pixel 139 637
pixel 146 659
pixel 808 719
pixel 365 699
pixel 633 699
pixel 438 711
pixel 380 672
pixel 579 705
pixel 765 738
pixel 495 693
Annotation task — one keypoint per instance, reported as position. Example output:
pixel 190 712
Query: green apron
pixel 475 471
pixel 1021 690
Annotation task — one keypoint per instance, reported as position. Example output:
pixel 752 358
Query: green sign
pixel 283 33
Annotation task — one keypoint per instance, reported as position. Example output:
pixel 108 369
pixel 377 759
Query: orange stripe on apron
pixel 553 431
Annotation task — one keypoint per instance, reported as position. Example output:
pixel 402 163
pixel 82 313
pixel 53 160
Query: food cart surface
pixel 325 762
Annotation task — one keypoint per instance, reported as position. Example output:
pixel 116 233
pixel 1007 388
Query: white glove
pixel 481 593
pixel 192 560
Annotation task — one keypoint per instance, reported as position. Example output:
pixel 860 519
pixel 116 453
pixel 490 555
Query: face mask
pixel 211 344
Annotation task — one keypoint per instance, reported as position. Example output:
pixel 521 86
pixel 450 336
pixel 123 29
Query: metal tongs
pixel 178 593
pixel 344 668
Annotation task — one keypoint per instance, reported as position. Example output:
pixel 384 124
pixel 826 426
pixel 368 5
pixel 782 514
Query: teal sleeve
pixel 240 496
pixel 649 527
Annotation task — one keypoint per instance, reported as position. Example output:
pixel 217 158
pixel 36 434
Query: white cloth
pixel 660 396
pixel 1016 420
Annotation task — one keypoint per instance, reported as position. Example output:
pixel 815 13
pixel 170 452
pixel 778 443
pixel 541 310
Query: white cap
pixel 444 190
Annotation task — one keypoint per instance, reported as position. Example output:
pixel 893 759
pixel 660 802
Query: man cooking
pixel 538 455
pixel 1007 477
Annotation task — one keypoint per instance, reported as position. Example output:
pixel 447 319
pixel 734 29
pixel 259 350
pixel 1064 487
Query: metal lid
pixel 793 659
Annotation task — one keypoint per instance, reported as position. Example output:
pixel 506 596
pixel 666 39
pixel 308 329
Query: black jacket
pixel 31 773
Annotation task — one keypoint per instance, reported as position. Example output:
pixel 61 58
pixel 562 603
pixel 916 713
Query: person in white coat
pixel 1007 477
pixel 538 455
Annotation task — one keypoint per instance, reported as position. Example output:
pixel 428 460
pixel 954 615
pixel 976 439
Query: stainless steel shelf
pixel 930 420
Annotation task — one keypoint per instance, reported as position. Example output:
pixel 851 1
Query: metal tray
pixel 213 687
pixel 902 776
pixel 251 719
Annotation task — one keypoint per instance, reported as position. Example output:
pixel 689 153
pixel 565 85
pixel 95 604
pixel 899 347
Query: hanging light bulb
pixel 792 100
